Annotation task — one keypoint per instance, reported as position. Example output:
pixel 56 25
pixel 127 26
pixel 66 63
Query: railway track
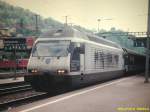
pixel 14 88
pixel 5 75
pixel 14 93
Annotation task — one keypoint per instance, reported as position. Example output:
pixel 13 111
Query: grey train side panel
pixel 87 79
pixel 50 82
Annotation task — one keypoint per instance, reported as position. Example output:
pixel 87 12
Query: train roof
pixel 72 32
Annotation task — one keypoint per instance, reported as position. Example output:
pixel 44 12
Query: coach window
pixel 132 60
pixel 1 57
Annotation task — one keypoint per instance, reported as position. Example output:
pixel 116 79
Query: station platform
pixel 128 94
pixel 5 75
pixel 11 80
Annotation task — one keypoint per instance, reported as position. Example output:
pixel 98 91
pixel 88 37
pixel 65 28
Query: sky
pixel 127 15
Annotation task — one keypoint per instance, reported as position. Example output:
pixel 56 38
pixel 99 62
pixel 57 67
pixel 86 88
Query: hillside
pixel 22 19
pixel 25 23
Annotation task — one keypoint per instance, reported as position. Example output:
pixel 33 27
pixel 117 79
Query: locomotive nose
pixel 50 64
pixel 56 63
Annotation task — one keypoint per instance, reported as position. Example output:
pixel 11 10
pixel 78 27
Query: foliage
pixel 23 20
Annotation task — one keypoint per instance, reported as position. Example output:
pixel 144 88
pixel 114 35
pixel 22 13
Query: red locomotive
pixel 9 64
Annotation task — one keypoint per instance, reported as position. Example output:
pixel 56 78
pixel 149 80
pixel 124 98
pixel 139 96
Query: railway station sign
pixel 18 44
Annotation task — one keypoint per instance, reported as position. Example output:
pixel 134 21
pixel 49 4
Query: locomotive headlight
pixel 61 71
pixel 34 71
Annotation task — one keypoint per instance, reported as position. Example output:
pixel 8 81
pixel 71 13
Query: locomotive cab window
pixel 51 48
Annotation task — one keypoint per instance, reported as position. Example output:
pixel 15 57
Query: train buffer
pixel 129 94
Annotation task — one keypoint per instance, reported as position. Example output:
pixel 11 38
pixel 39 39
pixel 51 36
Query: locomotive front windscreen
pixel 51 48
